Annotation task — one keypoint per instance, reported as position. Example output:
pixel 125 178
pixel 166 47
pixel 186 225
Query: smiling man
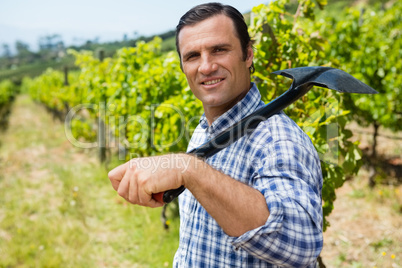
pixel 216 68
pixel 256 203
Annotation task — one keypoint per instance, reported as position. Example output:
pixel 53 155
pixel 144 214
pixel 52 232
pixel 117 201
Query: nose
pixel 207 65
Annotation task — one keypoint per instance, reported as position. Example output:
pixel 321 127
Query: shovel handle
pixel 168 196
pixel 158 197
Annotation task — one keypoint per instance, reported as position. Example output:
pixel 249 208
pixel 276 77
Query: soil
pixel 366 223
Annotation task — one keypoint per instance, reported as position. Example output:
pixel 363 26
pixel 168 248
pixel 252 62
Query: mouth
pixel 212 82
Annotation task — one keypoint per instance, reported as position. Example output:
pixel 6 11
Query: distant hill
pixel 34 63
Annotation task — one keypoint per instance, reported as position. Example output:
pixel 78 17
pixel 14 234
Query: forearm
pixel 236 207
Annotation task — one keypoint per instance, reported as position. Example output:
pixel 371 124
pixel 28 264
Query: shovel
pixel 304 78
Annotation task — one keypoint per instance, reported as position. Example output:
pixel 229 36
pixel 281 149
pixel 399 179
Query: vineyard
pixel 137 103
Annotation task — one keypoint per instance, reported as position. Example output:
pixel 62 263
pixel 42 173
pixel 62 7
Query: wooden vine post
pixel 102 125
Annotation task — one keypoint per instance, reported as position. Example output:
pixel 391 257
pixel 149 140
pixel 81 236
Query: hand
pixel 139 178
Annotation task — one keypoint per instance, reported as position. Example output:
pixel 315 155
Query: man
pixel 256 203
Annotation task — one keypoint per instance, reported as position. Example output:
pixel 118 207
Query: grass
pixel 58 209
pixel 365 226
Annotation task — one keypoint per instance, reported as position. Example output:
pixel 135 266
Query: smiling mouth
pixel 212 82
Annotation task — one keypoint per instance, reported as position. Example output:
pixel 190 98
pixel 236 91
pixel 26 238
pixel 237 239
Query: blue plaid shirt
pixel 279 160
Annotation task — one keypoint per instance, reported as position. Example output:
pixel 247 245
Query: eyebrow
pixel 223 45
pixel 193 52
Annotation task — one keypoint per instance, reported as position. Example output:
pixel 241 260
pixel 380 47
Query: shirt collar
pixel 244 107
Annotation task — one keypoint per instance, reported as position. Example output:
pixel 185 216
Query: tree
pixel 24 55
pixel 50 42
pixel 6 57
pixel 6 51
pixel 22 49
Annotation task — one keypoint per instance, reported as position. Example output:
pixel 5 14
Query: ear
pixel 250 55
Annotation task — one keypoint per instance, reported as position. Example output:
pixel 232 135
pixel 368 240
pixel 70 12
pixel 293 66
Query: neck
pixel 213 113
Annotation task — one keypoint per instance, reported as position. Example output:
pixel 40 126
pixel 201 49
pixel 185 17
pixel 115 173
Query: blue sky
pixel 80 20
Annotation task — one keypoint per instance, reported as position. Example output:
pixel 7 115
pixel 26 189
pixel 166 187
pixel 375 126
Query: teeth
pixel 212 82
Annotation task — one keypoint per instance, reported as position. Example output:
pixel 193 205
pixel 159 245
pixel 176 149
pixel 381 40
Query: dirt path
pixel 58 209
pixel 366 224
pixel 33 140
pixel 36 189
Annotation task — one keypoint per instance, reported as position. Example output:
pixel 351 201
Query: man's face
pixel 214 64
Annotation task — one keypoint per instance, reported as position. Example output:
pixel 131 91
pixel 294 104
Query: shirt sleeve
pixel 290 179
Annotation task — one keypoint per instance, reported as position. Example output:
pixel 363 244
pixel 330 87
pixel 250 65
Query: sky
pixel 80 20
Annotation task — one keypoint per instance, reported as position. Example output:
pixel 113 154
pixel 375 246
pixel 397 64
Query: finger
pixel 145 188
pixel 115 184
pixel 154 198
pixel 117 174
pixel 147 200
pixel 154 204
pixel 143 197
pixel 123 188
pixel 133 190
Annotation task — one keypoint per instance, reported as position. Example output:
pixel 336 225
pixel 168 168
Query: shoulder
pixel 280 128
pixel 285 150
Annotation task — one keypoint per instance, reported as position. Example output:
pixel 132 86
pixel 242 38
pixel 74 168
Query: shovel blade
pixel 327 77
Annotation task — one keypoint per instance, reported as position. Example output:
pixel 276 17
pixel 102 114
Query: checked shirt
pixel 279 160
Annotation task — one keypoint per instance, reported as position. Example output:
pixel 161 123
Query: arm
pixel 226 200
pixel 290 179
pixel 292 234
pixel 236 207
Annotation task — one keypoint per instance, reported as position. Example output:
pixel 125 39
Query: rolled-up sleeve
pixel 290 179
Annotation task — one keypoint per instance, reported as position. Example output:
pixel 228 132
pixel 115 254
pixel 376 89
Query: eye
pixel 191 56
pixel 219 49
